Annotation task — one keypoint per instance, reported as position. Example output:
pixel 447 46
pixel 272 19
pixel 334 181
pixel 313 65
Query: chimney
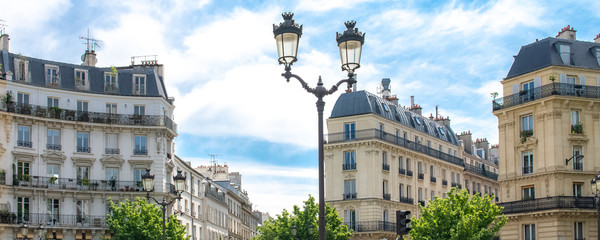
pixel 4 42
pixel 443 121
pixel 89 58
pixel 597 39
pixel 567 33
pixel 468 142
pixel 483 143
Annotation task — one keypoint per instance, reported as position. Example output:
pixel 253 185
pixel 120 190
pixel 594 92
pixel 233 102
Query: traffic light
pixel 402 222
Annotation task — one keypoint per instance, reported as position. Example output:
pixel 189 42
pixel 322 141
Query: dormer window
pixel 81 79
pixel 139 84
pixel 52 77
pixel 386 108
pixel 22 71
pixel 596 53
pixel 111 82
pixel 564 50
pixel 417 120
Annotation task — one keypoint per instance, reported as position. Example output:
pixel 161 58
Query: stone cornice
pixel 54 156
pixel 115 160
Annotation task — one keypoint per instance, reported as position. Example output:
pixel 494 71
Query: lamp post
pixel 596 191
pixel 24 231
pixel 350 42
pixel 148 184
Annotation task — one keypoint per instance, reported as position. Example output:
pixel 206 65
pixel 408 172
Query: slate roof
pixel 544 53
pixel 155 86
pixel 363 102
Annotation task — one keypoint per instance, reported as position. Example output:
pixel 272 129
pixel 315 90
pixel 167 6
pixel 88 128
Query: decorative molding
pixel 83 161
pixel 553 115
pixel 170 165
pixel 112 160
pixel 349 176
pixel 24 156
pixel 146 163
pixel 577 139
pixel 54 156
pixel 531 143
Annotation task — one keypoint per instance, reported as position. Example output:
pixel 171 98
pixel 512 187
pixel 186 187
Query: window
pixel 577 161
pixel 575 118
pixel 349 161
pixel 24 136
pixel 420 194
pixel 23 170
pixel 111 108
pixel 53 173
pixel 52 78
pixel 529 232
pixel 431 171
pixel 578 231
pixel 386 194
pixel 83 172
pixel 386 216
pixel 23 98
pixel 444 174
pixel 419 167
pixel 400 190
pixel 572 80
pixel 53 140
pixel 82 106
pixel 350 218
pixel 408 164
pixel 137 174
pixel 527 123
pixel 349 131
pixel 139 109
pixel 139 84
pixel 81 80
pixel 432 196
pixel 140 145
pixel 83 210
pixel 528 193
pixel 111 83
pixel 527 162
pixel 565 53
pixel 400 162
pixel 384 161
pixel 53 211
pixel 577 189
pixel 112 174
pixel 381 130
pixel 22 70
pixel 83 142
pixel 350 189
pixel 408 191
pixel 23 209
pixel 112 144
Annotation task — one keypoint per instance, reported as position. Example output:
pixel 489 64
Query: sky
pixel 221 66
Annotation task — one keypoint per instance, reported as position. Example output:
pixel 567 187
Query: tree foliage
pixel 141 220
pixel 280 228
pixel 458 218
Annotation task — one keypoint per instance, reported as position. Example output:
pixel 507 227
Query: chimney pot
pixel 567 33
pixel 597 39
pixel 4 39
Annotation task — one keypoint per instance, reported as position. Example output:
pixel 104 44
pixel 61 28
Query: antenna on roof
pixel 2 27
pixel 90 43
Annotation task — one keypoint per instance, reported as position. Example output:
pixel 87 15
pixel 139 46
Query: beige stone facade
pixel 549 113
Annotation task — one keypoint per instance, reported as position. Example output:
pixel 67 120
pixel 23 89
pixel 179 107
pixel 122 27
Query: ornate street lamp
pixel 148 184
pixel 596 191
pixel 287 36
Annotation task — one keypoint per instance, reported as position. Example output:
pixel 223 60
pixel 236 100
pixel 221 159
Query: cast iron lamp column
pixel 350 42
pixel 148 183
pixel 596 191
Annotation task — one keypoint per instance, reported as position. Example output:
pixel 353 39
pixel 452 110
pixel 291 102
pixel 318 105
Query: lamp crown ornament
pixel 288 25
pixel 351 33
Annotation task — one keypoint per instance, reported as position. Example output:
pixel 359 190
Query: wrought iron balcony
pixel 421 202
pixel 84 149
pixel 409 173
pixel 401 171
pixel 578 166
pixel 433 179
pixel 348 196
pixel 385 167
pixel 92 117
pixel 407 200
pixel 393 139
pixel 24 143
pixel 371 226
pixel 350 166
pixel 560 89
pixel 445 182
pixel 54 220
pixel 56 147
pixel 77 184
pixel 540 204
pixel 140 151
pixel 454 184
pixel 387 196
pixel 527 170
pixel 111 151
pixel 481 171
pixel 421 176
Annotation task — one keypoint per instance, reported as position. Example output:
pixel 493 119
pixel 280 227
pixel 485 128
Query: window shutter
pixel 563 78
pixel 582 80
pixel 16 69
pixel 537 82
pixel 515 88
pixel 27 71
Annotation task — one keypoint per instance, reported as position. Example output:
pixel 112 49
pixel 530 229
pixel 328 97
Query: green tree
pixel 458 218
pixel 141 220
pixel 281 227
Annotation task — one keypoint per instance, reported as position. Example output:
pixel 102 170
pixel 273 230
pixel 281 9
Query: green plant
pixel 85 182
pixel 26 177
pixel 52 180
pixel 552 78
pixel 525 134
pixel 494 95
pixel 577 128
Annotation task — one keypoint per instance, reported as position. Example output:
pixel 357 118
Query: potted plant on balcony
pixel 525 134
pixel 577 128
pixel 8 101
pixel 113 183
pixel 52 180
pixel 55 112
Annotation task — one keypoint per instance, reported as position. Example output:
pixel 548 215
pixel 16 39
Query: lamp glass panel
pixel 287 47
pixel 180 184
pixel 597 186
pixel 148 184
pixel 350 54
pixel 594 187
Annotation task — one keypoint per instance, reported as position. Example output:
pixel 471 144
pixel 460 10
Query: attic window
pixel 565 52
pixel 417 120
pixel 386 108
pixel 441 131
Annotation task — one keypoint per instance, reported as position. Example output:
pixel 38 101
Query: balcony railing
pixel 540 204
pixel 422 203
pixel 77 184
pixel 111 151
pixel 350 166
pixel 91 117
pixel 54 220
pixel 445 182
pixel 397 140
pixel 421 176
pixel 578 166
pixel 401 171
pixel 385 167
pixel 24 143
pixel 409 173
pixel 527 170
pixel 454 184
pixel 140 151
pixel 561 89
pixel 387 196
pixel 371 226
pixel 481 171
pixel 433 179
pixel 407 200
pixel 84 149
pixel 348 196
pixel 56 147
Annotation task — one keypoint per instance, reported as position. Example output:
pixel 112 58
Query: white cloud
pixel 326 5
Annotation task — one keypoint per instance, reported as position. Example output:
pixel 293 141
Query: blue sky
pixel 220 65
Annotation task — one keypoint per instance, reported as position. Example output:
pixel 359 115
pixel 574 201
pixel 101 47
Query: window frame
pixel 529 163
pixel 350 131
pixel 139 88
pixel 528 192
pixel 529 228
pixel 50 80
pixel 527 122
pixel 83 79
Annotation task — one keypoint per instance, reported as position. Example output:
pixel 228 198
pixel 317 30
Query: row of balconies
pixel 53 220
pixel 84 149
pixel 561 89
pixel 481 171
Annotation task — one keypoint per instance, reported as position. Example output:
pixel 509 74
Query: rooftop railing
pixel 371 226
pixel 561 89
pixel 481 171
pixel 540 204
pixel 391 138
pixel 91 117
